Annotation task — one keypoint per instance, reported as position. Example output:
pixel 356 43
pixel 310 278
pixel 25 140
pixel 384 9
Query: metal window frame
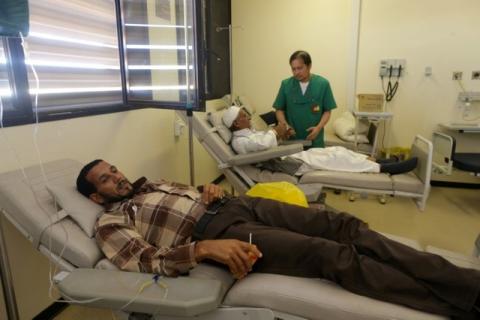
pixel 23 112
pixel 18 80
pixel 198 61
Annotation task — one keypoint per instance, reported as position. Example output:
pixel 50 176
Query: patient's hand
pixel 239 256
pixel 290 132
pixel 211 192
pixel 281 130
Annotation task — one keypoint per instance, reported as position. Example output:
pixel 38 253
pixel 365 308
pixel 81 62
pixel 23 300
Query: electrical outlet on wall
pixel 476 75
pixel 457 75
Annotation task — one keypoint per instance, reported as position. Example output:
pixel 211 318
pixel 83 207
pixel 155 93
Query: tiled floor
pixel 450 221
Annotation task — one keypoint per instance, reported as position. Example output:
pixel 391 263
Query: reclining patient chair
pixel 58 221
pixel 242 173
pixel 445 156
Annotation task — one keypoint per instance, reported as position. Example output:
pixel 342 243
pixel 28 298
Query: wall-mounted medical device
pixel 469 96
pixel 391 68
pixel 468 101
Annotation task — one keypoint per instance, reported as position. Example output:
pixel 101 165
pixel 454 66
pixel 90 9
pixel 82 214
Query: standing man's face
pixel 111 184
pixel 300 70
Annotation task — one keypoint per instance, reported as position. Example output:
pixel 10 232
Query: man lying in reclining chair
pixel 245 140
pixel 167 228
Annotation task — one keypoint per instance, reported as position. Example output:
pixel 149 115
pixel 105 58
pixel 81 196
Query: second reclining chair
pixel 242 173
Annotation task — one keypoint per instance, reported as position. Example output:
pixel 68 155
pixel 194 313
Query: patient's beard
pixel 111 199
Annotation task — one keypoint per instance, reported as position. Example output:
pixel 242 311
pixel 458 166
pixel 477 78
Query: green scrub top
pixel 305 111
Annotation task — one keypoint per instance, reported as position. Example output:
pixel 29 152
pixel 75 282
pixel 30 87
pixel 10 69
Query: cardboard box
pixel 370 102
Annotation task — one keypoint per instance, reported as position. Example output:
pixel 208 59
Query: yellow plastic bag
pixel 400 152
pixel 281 191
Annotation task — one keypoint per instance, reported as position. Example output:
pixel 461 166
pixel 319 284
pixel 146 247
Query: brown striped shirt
pixel 151 232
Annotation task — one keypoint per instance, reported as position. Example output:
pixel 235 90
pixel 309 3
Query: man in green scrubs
pixel 305 101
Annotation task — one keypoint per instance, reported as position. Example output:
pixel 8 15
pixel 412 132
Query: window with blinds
pixel 5 91
pixel 160 52
pixel 72 62
pixel 72 56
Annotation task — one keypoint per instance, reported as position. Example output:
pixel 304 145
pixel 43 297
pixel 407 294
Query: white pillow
pixel 215 119
pixel 82 210
pixel 345 125
pixel 344 128
pixel 361 138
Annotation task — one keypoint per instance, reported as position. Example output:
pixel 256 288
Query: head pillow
pixel 215 119
pixel 82 210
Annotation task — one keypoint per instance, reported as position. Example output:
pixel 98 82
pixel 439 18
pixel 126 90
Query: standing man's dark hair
pixel 303 55
pixel 84 186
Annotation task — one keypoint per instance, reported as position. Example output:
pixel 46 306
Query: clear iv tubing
pixel 37 150
pixel 66 297
pixel 35 136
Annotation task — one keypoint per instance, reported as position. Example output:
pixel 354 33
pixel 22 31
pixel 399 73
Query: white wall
pixel 271 30
pixel 440 34
pixel 139 142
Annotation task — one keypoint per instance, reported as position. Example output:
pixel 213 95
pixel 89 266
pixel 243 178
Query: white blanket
pixel 334 159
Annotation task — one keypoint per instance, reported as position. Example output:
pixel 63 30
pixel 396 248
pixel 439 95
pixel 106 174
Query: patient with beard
pixel 167 228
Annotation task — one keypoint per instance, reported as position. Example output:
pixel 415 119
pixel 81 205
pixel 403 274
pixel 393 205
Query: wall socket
pixel 457 75
pixel 476 75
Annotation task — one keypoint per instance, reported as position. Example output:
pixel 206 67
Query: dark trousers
pixel 308 242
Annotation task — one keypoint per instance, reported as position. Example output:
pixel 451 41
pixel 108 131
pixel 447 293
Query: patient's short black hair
pixel 303 55
pixel 84 186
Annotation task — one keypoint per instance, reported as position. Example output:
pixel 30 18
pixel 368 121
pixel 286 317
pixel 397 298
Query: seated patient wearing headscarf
pixel 246 139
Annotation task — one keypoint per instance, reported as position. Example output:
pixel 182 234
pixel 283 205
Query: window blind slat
pixel 100 10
